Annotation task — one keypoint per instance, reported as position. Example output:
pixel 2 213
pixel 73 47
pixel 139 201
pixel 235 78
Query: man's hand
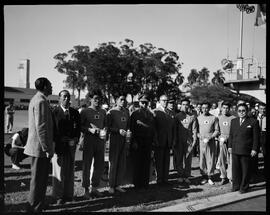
pixel 122 132
pixel 253 153
pixel 92 130
pixel 230 150
pixel 49 155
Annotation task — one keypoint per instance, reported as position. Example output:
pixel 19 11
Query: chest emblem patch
pixel 123 119
pixel 206 122
pixel 225 123
pixel 96 116
pixel 185 121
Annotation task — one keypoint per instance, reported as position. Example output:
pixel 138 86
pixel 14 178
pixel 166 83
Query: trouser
pixel 263 145
pixel 92 150
pixel 142 159
pixel 63 174
pixel 39 179
pixel 229 169
pixel 254 163
pixel 17 155
pixel 183 162
pixel 223 160
pixel 207 158
pixel 217 151
pixel 240 172
pixel 117 159
pixel 162 160
pixel 10 120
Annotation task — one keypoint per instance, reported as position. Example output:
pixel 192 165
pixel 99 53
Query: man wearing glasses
pixel 243 144
pixel 164 127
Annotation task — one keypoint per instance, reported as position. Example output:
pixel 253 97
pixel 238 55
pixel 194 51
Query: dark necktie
pixel 66 114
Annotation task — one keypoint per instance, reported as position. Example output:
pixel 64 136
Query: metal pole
pixel 241 33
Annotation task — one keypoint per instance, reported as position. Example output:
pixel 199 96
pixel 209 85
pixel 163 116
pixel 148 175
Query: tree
pixel 75 67
pixel 192 77
pixel 203 77
pixel 218 78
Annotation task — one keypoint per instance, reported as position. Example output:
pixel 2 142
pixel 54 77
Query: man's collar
pixel 63 108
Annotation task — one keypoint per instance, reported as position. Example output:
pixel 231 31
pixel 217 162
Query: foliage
pixel 122 68
pixel 218 78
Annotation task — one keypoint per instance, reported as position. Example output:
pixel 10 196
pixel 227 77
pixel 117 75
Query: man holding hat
pixel 143 130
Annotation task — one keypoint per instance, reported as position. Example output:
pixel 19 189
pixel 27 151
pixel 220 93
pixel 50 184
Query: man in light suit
pixel 67 133
pixel 164 122
pixel 243 144
pixel 40 145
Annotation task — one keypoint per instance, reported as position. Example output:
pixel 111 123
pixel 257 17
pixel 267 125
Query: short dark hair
pixel 262 104
pixel 41 83
pixel 242 105
pixel 185 100
pixel 62 92
pixel 226 103
pixel 94 92
pixel 206 103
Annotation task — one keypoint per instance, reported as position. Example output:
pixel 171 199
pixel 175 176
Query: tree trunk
pixel 79 97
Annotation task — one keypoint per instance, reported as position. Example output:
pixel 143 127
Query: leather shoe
pixel 60 202
pixel 243 191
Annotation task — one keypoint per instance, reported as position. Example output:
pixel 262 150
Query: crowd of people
pixel 222 137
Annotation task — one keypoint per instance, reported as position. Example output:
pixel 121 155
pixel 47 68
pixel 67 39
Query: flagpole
pixel 241 34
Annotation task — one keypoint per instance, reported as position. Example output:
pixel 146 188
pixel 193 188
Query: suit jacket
pixel 40 123
pixel 164 123
pixel 244 138
pixel 65 127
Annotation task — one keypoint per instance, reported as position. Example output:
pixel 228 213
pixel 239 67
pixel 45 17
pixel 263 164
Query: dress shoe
pixel 87 195
pixel 243 191
pixel 96 193
pixel 180 180
pixel 68 199
pixel 187 180
pixel 119 189
pixel 204 181
pixel 223 181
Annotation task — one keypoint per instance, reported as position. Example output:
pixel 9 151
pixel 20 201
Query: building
pixel 22 96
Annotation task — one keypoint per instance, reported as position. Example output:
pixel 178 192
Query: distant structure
pixel 24 73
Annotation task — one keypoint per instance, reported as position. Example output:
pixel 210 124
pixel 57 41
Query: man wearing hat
pixel 143 133
pixel 164 121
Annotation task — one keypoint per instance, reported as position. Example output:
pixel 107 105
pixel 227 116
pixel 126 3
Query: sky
pixel 201 35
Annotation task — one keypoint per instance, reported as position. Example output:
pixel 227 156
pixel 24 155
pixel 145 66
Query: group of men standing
pixel 54 134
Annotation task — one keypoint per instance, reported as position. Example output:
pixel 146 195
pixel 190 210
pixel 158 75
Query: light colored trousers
pixel 207 157
pixel 183 162
pixel 225 162
pixel 63 174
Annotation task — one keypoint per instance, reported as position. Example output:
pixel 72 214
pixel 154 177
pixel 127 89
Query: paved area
pixel 253 204
pixel 215 202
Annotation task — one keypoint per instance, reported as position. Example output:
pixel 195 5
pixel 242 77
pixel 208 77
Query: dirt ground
pixel 17 189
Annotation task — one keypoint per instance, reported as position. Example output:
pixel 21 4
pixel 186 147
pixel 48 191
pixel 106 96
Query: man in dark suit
pixel 243 144
pixel 164 122
pixel 40 145
pixel 67 133
pixel 143 133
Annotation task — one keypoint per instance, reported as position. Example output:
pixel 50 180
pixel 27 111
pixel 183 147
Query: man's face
pixel 225 110
pixel 121 101
pixel 185 106
pixel 242 112
pixel 262 109
pixel 143 104
pixel 170 105
pixel 95 101
pixel 163 101
pixel 205 108
pixel 214 106
pixel 64 99
pixel 199 107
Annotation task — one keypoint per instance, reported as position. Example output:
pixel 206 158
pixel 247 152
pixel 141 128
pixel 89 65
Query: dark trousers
pixel 142 159
pixel 240 172
pixel 17 155
pixel 162 160
pixel 39 179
